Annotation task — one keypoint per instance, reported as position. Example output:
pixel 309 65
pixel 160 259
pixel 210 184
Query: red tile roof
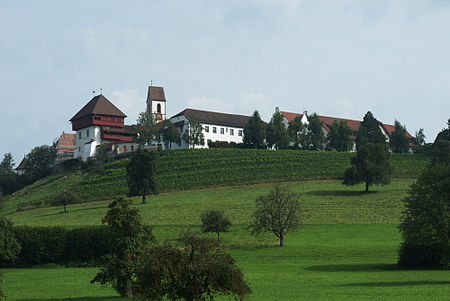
pixel 67 140
pixel 99 105
pixel 352 124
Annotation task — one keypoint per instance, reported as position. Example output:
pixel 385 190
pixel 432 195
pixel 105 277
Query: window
pixel 132 148
pixel 124 148
pixel 158 108
pixel 206 129
pixel 240 133
pixel 231 132
pixel 79 149
pixel 87 133
pixel 79 135
pixel 214 129
pixel 222 131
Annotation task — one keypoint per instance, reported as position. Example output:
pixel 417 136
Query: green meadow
pixel 345 250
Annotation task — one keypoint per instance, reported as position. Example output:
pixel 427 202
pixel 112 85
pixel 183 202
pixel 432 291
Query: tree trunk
pixel 281 239
pixel 65 210
pixel 218 236
pixel 143 199
pixel 129 290
pixel 367 186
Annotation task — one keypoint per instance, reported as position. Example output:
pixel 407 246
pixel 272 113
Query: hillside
pixel 202 168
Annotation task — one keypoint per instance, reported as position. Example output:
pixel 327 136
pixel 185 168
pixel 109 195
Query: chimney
pixel 277 109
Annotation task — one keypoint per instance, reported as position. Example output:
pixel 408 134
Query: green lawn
pixel 339 262
pixel 347 248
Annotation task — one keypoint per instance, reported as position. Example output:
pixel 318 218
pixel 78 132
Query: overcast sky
pixel 337 58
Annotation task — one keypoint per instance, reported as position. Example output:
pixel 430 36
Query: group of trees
pixel 311 135
pixel 37 165
pixel 193 269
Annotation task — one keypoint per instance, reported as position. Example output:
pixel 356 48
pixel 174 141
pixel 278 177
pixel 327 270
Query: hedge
pixel 42 245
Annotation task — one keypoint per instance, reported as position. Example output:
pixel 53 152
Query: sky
pixel 337 58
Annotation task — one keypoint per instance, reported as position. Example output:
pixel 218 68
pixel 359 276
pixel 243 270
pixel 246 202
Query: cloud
pixel 211 104
pixel 129 102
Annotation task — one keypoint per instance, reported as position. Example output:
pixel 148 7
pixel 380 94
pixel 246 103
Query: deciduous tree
pixel 141 170
pixel 425 225
pixel 66 197
pixel 278 212
pixel 131 238
pixel 197 270
pixel 39 161
pixel 399 141
pixel 420 137
pixel 371 165
pixel 215 221
pixel 297 132
pixel 171 134
pixel 146 128
pixel 339 138
pixel 194 134
pixel 254 132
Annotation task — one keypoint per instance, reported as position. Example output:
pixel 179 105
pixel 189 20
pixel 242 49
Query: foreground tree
pixel 146 128
pixel 440 151
pixel 278 212
pixel 215 221
pixel 371 165
pixel 101 153
pixel 141 172
pixel 9 246
pixel 339 138
pixel 399 141
pixel 369 131
pixel 131 238
pixel 194 134
pixel 425 224
pixel 39 161
pixel 254 132
pixel 171 134
pixel 7 164
pixel 297 132
pixel 277 135
pixel 197 270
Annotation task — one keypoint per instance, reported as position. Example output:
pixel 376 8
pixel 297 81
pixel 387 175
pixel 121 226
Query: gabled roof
pixel 352 124
pixel 217 118
pixel 156 93
pixel 391 128
pixel 22 164
pixel 99 105
pixel 67 139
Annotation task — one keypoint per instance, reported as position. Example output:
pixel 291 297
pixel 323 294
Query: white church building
pixel 216 126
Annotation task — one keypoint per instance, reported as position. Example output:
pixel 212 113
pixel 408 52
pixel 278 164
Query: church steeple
pixel 156 102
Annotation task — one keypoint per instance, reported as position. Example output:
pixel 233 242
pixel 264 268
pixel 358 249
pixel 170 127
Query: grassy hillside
pixel 193 169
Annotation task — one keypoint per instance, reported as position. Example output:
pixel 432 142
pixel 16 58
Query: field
pixel 347 248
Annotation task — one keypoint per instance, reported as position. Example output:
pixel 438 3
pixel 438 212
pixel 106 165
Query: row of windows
pixel 79 134
pixel 222 131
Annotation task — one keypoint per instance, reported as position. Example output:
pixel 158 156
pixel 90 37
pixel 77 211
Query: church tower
pixel 156 102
